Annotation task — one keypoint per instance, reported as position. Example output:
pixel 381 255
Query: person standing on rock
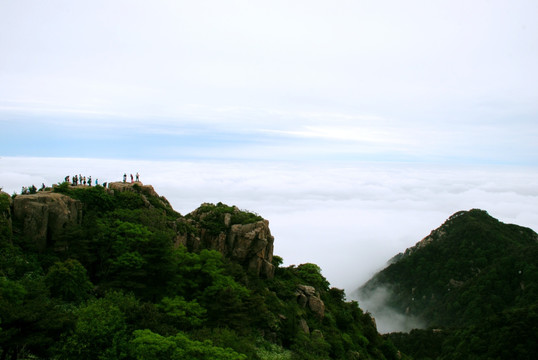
pixel 90 181
pixel 132 179
pixel 124 177
pixel 67 179
pixel 137 177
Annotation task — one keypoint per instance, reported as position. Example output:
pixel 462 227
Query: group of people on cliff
pixel 81 180
pixel 28 190
pixel 76 180
pixel 132 178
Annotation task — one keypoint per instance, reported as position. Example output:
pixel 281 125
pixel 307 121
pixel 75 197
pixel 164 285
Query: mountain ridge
pixel 115 273
pixel 469 271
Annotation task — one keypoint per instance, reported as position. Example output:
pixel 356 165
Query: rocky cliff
pixel 41 218
pixel 248 243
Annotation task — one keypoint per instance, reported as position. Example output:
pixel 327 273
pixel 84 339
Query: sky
pixel 354 127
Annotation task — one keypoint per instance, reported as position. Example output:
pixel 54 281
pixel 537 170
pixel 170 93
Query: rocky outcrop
pixel 145 191
pixel 308 296
pixel 5 217
pixel 42 217
pixel 250 245
pixel 120 186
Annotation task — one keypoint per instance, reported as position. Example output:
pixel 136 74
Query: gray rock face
pixel 44 216
pixel 308 296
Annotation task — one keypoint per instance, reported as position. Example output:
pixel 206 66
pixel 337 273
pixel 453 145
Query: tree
pixel 69 281
pixel 311 274
pixel 183 314
pixel 99 333
pixel 31 321
pixel 147 345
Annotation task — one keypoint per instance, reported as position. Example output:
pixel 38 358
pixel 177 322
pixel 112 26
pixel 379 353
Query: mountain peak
pixel 440 233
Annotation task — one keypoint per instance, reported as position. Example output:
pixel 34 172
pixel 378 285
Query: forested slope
pixel 474 280
pixel 116 273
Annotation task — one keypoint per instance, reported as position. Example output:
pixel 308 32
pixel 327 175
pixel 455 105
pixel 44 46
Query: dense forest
pixel 101 273
pixel 474 283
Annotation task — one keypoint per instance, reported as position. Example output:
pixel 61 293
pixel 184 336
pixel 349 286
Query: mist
pixel 387 319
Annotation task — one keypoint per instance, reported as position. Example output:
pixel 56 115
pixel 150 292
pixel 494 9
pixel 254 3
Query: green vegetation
pixel 212 216
pixel 117 285
pixel 473 280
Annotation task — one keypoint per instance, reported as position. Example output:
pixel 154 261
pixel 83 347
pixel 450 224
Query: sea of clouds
pixel 349 218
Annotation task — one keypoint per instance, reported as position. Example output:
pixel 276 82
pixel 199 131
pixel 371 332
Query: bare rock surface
pixel 308 296
pixel 45 215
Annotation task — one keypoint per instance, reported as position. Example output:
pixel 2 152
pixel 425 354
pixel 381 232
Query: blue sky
pixel 355 127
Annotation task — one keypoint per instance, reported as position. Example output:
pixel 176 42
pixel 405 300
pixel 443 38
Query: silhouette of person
pixel 124 177
pixel 90 181
pixel 137 177
pixel 132 178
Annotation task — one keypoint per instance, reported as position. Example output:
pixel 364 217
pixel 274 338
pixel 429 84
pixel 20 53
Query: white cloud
pixel 392 57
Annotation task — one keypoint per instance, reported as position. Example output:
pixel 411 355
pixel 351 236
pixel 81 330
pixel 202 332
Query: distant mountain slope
pixel 472 271
pixel 470 267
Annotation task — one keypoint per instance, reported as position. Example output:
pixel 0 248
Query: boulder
pixel 307 290
pixel 317 306
pixel 307 295
pixel 42 217
pixel 302 300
